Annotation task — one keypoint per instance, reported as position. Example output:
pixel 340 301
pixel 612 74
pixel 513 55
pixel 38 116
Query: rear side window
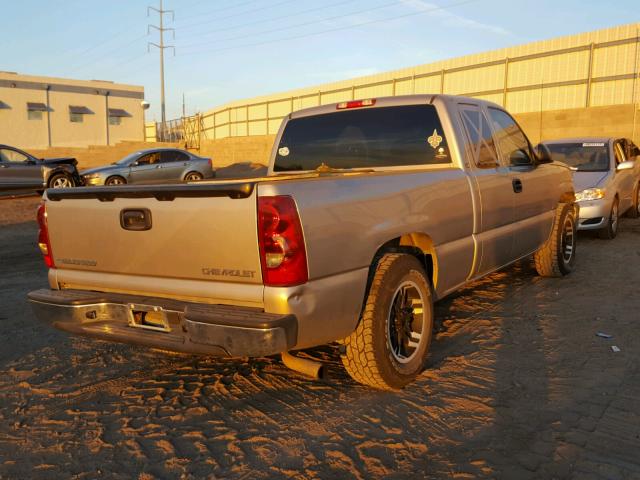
pixel 364 138
pixel 173 156
pixel 480 137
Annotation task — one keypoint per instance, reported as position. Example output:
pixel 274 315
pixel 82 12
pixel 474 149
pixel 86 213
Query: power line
pixel 346 27
pixel 217 19
pixel 272 19
pixel 161 47
pixel 219 9
pixel 102 56
pixel 312 22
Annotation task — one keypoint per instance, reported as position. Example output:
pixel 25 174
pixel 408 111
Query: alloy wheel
pixel 405 322
pixel 61 182
pixel 568 240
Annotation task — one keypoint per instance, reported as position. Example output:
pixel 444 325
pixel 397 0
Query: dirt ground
pixel 518 386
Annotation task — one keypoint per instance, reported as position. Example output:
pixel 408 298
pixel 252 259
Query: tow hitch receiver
pixel 148 317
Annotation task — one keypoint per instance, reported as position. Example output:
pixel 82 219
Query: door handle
pixel 517 185
pixel 158 166
pixel 4 166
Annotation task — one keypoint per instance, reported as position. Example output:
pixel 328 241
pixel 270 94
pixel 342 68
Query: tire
pixel 634 211
pixel 193 177
pixel 379 353
pixel 61 180
pixel 610 231
pixel 115 180
pixel 556 258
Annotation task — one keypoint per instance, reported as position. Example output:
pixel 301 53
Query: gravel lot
pixel 518 386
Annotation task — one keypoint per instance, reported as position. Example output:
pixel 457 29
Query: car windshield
pixel 583 156
pixel 127 160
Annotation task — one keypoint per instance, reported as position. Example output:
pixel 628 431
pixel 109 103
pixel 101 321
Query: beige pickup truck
pixel 371 210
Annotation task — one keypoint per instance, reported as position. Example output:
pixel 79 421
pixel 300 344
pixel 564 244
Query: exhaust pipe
pixel 310 368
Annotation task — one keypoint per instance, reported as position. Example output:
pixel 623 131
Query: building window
pixel 35 109
pixel 77 113
pixel 34 114
pixel 116 115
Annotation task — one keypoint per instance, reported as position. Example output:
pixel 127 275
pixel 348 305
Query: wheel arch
pixel 189 171
pixel 417 244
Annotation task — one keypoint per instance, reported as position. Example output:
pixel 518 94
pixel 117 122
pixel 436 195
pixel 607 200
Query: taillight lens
pixel 43 236
pixel 282 252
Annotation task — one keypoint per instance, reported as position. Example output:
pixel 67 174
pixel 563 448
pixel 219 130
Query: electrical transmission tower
pixel 161 29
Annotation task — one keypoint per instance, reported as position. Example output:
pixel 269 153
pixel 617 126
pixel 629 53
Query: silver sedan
pixel 157 165
pixel 606 176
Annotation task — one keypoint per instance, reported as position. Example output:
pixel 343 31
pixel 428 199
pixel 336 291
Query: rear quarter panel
pixel 347 218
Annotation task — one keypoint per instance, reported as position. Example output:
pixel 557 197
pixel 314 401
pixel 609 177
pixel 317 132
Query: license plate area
pixel 149 317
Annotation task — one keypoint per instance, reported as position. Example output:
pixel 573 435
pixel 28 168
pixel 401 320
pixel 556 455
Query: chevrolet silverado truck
pixel 370 211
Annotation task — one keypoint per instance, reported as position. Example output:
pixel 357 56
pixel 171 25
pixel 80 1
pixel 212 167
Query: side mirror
pixel 543 153
pixel 519 158
pixel 628 165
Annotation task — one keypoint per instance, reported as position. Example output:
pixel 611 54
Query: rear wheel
pixel 610 231
pixel 557 256
pixel 389 347
pixel 193 177
pixel 634 211
pixel 115 180
pixel 61 180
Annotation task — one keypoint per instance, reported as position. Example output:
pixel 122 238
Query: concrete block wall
pixel 609 121
pixel 229 150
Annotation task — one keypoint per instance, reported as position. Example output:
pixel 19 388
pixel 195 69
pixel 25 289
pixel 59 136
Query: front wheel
pixel 557 256
pixel 61 180
pixel 389 347
pixel 610 231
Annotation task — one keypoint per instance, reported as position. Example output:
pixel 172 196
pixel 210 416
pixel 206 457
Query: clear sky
pixel 228 50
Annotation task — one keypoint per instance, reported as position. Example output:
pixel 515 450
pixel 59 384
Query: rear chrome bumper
pixel 217 330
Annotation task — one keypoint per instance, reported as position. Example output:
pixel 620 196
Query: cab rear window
pixel 364 138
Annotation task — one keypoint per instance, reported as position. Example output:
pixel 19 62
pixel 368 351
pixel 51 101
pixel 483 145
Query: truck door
pixel 534 191
pixel 496 196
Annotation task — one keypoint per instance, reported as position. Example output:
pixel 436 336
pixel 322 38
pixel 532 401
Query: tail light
pixel 356 104
pixel 282 252
pixel 210 162
pixel 43 236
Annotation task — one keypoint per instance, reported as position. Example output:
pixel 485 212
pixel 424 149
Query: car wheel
pixel 61 180
pixel 115 180
pixel 557 256
pixel 611 229
pixel 389 347
pixel 634 211
pixel 193 177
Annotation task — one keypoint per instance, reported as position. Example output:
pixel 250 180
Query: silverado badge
pixel 435 140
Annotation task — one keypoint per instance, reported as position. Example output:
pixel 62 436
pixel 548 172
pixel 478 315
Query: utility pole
pixel 161 29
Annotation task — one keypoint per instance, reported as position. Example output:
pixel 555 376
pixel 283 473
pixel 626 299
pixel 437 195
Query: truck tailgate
pixel 195 232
